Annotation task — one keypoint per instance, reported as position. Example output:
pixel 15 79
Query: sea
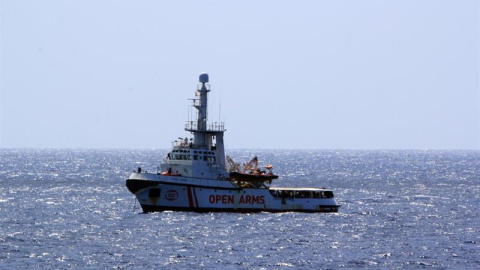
pixel 70 209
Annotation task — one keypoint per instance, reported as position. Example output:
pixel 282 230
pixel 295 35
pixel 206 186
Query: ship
pixel 197 176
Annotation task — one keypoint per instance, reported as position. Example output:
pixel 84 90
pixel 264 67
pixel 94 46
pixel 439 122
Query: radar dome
pixel 203 77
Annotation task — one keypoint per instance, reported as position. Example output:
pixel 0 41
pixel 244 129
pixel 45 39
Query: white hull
pixel 159 193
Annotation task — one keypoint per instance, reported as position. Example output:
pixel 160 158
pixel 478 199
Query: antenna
pixel 220 109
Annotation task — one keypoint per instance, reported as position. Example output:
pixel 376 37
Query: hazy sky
pixel 288 74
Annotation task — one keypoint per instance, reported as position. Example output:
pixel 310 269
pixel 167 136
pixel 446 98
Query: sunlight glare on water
pixel 65 209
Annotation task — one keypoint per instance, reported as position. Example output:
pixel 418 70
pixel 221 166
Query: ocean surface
pixel 70 209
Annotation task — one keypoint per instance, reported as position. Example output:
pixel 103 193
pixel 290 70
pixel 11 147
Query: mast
pixel 206 136
pixel 201 106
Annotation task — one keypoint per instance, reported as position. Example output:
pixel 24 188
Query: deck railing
pixel 215 126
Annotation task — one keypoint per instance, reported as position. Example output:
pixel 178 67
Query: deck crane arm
pixel 233 166
pixel 251 166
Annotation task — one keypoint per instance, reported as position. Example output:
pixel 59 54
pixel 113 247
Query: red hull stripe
pixel 195 195
pixel 190 200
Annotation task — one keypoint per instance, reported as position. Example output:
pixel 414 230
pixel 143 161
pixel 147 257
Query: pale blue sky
pixel 288 74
